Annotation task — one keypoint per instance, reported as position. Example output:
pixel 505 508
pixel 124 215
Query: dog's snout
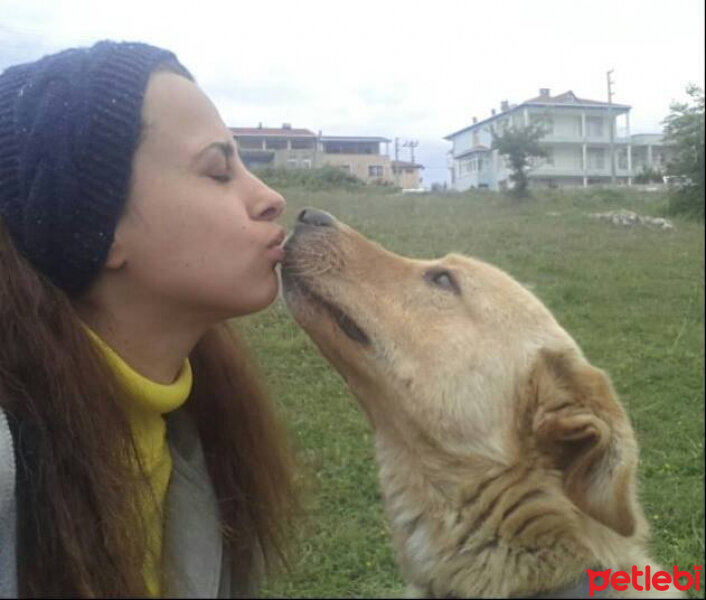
pixel 318 218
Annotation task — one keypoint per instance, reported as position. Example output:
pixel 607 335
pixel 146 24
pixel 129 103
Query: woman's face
pixel 199 229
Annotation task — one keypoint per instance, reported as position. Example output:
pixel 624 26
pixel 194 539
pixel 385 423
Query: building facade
pixel 578 144
pixel 407 175
pixel 359 156
pixel 649 153
pixel 276 147
pixel 290 148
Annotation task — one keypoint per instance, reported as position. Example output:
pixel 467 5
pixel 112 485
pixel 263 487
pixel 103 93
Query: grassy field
pixel 632 298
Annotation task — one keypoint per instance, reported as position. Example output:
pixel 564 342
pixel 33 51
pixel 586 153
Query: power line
pixel 411 144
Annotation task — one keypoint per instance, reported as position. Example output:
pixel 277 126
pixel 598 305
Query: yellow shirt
pixel 149 401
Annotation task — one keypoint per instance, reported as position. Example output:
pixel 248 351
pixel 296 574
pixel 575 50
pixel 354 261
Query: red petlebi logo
pixel 643 580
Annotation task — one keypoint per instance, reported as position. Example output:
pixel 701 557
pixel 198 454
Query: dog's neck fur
pixel 449 532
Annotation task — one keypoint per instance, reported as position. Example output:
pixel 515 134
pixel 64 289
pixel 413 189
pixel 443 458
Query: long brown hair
pixel 80 533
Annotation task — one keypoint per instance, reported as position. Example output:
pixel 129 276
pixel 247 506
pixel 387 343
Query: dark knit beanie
pixel 69 127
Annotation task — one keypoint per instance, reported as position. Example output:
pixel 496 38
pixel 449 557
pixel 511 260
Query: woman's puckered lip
pixel 278 239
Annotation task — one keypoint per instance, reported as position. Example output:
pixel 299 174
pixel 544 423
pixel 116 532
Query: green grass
pixel 633 299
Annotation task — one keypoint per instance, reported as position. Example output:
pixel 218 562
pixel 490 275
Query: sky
pixel 391 68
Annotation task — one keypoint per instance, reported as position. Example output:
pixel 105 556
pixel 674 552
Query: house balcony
pixel 564 171
pixel 560 138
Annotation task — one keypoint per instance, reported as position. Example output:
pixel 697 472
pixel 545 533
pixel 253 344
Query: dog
pixel 506 462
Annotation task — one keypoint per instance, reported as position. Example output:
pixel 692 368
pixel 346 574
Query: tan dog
pixel 507 463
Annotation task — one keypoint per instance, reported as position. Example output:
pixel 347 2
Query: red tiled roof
pixel 271 131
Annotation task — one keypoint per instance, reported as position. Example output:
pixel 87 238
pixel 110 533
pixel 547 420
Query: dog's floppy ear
pixel 580 427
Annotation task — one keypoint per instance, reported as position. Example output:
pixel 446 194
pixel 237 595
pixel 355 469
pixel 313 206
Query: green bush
pixel 319 178
pixel 688 201
pixel 684 130
pixel 648 175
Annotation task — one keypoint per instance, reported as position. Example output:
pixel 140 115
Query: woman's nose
pixel 271 204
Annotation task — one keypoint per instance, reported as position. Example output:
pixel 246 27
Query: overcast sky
pixel 386 67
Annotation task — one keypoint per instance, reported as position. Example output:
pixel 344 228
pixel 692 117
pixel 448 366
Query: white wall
pixel 567 158
pixel 567 127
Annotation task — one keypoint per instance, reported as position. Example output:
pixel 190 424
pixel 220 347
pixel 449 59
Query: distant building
pixel 649 152
pixel 276 147
pixel 577 144
pixel 407 175
pixel 360 156
pixel 289 148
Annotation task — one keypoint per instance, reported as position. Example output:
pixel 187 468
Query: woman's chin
pixel 255 302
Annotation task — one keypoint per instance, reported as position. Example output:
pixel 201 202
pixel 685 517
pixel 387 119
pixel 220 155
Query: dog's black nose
pixel 318 218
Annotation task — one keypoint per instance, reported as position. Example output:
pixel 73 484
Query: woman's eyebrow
pixel 226 148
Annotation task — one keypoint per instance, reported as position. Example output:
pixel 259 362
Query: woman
pixel 138 454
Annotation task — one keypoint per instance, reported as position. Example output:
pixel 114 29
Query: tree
pixel 520 144
pixel 684 132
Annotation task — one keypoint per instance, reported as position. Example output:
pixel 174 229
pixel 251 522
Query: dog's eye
pixel 443 279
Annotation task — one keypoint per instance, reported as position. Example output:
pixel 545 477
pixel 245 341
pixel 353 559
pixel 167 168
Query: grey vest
pixel 196 563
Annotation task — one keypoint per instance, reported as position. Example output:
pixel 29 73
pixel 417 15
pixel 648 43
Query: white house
pixel 649 151
pixel 578 144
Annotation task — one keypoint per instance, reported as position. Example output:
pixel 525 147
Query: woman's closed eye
pixel 221 178
pixel 220 171
pixel 218 162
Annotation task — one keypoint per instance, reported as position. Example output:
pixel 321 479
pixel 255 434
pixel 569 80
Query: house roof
pixel 653 139
pixel 475 150
pixel 565 100
pixel 352 138
pixel 271 132
pixel 569 97
pixel 403 164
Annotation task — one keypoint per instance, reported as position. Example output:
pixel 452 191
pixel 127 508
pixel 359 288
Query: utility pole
pixel 412 145
pixel 612 127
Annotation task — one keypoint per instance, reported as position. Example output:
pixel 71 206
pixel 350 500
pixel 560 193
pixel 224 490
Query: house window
pixel 250 144
pixel 549 158
pixel 375 171
pixel 302 144
pixel 276 144
pixel 623 158
pixel 596 158
pixel 594 127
